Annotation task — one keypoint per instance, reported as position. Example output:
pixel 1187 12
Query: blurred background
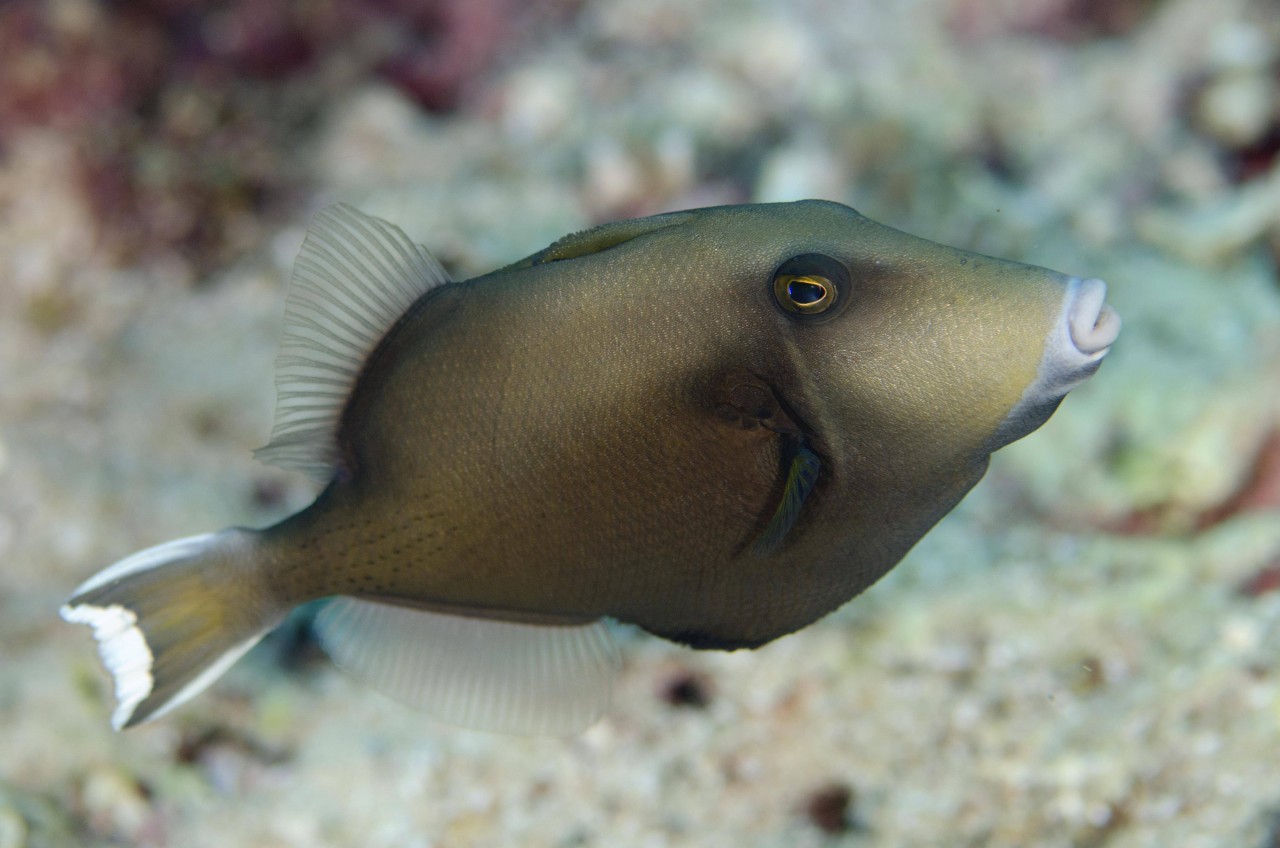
pixel 1084 654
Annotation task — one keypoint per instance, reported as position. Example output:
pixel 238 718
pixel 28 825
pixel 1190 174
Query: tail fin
pixel 170 619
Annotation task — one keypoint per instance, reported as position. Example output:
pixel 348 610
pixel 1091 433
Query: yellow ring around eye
pixel 804 294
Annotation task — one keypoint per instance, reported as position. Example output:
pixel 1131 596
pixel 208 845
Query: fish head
pixel 902 356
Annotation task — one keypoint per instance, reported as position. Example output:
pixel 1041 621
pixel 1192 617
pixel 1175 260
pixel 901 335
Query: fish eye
pixel 808 284
pixel 807 294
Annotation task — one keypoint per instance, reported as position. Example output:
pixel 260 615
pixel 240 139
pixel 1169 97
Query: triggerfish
pixel 718 425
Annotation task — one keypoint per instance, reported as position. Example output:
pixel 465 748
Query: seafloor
pixel 1084 654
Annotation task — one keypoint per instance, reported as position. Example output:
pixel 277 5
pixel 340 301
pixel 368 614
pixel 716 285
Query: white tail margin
pixel 171 619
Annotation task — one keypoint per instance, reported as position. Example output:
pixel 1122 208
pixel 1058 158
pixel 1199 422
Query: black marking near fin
pixel 701 640
pixel 802 474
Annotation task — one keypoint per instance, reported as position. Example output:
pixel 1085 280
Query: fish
pixel 717 425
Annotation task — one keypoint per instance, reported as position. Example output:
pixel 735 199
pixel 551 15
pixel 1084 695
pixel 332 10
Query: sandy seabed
pixel 1084 654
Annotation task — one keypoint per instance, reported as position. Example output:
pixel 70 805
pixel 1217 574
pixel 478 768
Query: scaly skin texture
pixel 549 441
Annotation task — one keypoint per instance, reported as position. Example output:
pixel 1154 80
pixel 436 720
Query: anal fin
pixel 483 673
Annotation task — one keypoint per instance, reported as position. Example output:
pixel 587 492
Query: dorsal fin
pixel 354 277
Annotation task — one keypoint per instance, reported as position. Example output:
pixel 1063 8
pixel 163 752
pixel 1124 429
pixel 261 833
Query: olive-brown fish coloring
pixel 718 424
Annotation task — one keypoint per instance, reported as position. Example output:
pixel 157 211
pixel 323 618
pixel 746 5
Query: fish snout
pixel 1080 338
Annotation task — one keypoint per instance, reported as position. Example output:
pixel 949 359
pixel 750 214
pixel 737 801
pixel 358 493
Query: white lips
pixel 1093 325
pixel 1083 334
pixel 1073 350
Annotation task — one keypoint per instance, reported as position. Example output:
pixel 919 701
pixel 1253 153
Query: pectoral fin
pixel 802 473
pixel 747 401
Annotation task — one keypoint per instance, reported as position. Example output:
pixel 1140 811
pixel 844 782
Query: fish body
pixel 718 425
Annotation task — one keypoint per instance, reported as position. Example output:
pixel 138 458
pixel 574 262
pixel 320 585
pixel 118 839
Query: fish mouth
pixel 1081 337
pixel 1092 324
pixel 1083 334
